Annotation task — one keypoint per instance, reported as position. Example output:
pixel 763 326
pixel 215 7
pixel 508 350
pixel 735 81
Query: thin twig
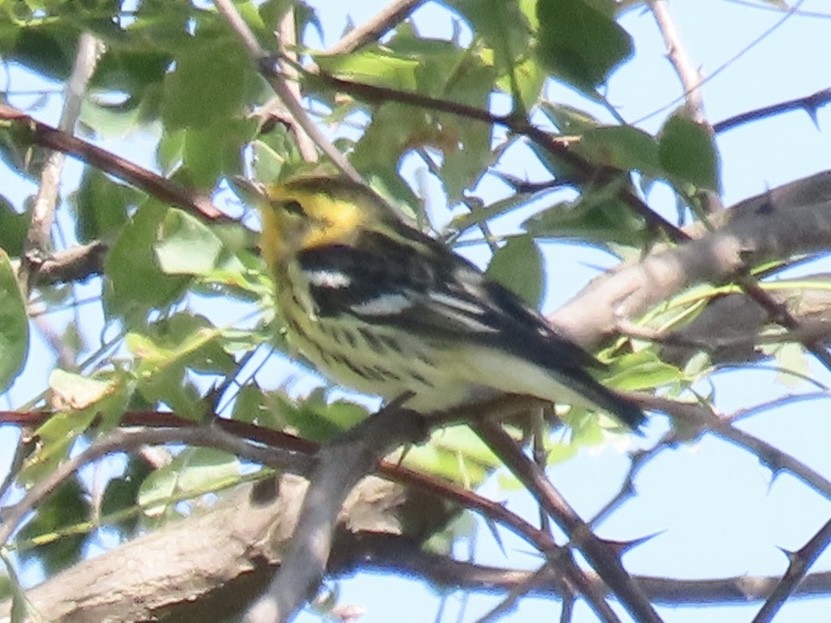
pixel 286 44
pixel 38 237
pixel 775 459
pixel 559 559
pixel 779 313
pixel 698 418
pixel 509 602
pixel 153 184
pixel 800 562
pixel 125 441
pixel 386 554
pixel 810 104
pixel 602 557
pixel 374 27
pixel 690 82
pixel 521 126
pixel 762 36
pixel 680 59
pixel 264 64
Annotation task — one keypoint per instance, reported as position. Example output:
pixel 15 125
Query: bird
pixel 380 307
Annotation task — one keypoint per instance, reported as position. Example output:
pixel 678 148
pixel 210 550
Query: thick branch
pixel 789 220
pixel 340 466
pixel 212 565
pixel 47 136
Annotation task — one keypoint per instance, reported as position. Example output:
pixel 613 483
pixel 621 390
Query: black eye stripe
pixel 293 206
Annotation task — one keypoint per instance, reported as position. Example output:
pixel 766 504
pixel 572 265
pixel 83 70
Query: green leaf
pixel 47 48
pixel 170 150
pixel 597 216
pixel 68 506
pixel 642 370
pixel 373 65
pixel 444 71
pixel 622 147
pixel 518 266
pixel 121 496
pixel 568 119
pixel 112 121
pixel 580 41
pixel 394 129
pixel 214 149
pixel 560 452
pixel 481 214
pixel 167 351
pixel 22 609
pixel 252 407
pixel 268 161
pixel 208 469
pixel 74 391
pixel 130 69
pixel 101 206
pixel 793 363
pixel 461 439
pixel 194 472
pixel 135 283
pixel 186 246
pixel 454 453
pixel 466 158
pixel 207 84
pixel 314 417
pixel 13 228
pixel 81 401
pixel 502 26
pixel 503 36
pixel 158 490
pixel 688 153
pixel 14 324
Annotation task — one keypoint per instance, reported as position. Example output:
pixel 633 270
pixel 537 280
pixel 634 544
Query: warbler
pixel 383 308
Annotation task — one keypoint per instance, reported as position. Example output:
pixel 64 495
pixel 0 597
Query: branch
pixel 585 171
pixel 212 564
pixel 201 568
pixel 699 418
pixel 395 554
pixel 800 562
pixel 690 80
pixel 810 104
pixel 74 264
pixel 372 29
pixel 789 220
pixel 125 441
pixel 340 465
pixel 44 135
pixel 234 20
pixel 287 43
pixel 423 489
pixel 600 554
pixel 38 237
pixel 209 577
pixel 689 76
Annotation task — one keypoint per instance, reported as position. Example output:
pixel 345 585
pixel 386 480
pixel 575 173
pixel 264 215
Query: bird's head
pixel 308 212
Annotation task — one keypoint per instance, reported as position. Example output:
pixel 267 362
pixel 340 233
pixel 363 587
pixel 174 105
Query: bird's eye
pixel 294 207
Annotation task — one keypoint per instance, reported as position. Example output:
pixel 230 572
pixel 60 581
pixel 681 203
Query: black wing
pixel 384 281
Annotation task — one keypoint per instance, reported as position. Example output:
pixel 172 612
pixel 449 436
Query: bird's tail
pixel 610 401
